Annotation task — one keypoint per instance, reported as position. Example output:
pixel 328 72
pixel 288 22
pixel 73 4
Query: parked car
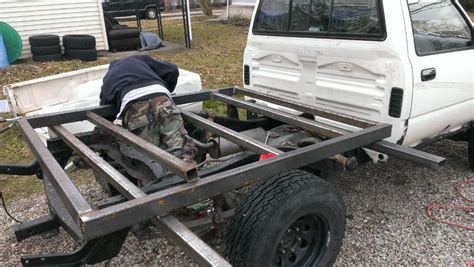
pixel 121 8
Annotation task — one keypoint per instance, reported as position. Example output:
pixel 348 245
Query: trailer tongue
pixel 103 231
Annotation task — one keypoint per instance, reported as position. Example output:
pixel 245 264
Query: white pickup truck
pixel 406 63
pixel 358 72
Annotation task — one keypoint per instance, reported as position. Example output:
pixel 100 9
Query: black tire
pixel 79 41
pixel 151 13
pixel 43 40
pixel 470 148
pixel 132 43
pixel 84 55
pixel 125 33
pixel 45 50
pixel 46 58
pixel 280 213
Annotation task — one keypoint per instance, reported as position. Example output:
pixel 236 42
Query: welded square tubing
pixel 101 222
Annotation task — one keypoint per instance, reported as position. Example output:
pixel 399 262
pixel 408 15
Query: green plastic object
pixel 12 41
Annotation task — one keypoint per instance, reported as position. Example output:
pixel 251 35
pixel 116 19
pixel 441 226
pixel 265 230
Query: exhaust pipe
pixel 225 147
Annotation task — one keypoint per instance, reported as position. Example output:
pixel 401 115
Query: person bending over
pixel 139 87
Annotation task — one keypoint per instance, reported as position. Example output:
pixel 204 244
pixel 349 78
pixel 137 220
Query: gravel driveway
pixel 387 223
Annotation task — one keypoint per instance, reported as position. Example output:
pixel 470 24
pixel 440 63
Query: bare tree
pixel 206 7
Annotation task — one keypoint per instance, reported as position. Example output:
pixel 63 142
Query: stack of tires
pixel 80 46
pixel 45 48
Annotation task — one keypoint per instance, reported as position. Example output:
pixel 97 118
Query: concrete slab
pixel 241 11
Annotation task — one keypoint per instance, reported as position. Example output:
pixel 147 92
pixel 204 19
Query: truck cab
pixel 404 62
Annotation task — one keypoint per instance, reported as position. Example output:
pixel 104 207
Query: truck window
pixel 307 15
pixel 356 18
pixel 274 15
pixel 438 26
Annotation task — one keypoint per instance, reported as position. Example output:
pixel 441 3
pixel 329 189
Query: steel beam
pixel 177 232
pixel 120 182
pixel 307 109
pixel 58 208
pixel 56 145
pixel 64 187
pixel 35 227
pixel 237 161
pixel 231 135
pixel 285 117
pixel 193 97
pixel 394 150
pixel 189 242
pixel 409 154
pixel 125 214
pixel 58 118
pixel 20 169
pixel 186 170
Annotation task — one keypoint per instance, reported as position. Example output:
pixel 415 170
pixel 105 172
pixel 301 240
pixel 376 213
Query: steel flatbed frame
pixel 71 210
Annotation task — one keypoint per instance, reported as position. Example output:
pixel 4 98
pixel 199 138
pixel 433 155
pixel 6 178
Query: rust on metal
pixel 177 232
pixel 75 203
pixel 307 109
pixel 233 136
pixel 186 170
pixel 295 120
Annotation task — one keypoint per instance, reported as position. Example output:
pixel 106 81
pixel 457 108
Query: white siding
pixel 58 17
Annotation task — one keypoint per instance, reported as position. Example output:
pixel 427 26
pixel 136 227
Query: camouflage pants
pixel 159 121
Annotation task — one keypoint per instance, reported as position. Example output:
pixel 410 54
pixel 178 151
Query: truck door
pixel 441 55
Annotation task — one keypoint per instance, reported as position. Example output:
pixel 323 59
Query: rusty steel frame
pixel 394 150
pixel 203 254
pixel 233 136
pixel 186 170
pixel 140 206
pixel 165 201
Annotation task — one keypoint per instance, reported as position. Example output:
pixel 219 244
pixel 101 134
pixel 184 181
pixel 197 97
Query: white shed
pixel 60 17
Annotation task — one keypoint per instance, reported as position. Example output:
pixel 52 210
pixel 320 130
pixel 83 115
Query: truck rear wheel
pixel 470 148
pixel 292 219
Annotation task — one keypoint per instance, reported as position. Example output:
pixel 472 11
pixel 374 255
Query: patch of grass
pixel 13 149
pixel 23 186
pixel 20 187
pixel 216 54
pixel 151 24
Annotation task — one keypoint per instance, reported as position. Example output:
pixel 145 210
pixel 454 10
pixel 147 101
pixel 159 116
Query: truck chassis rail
pixel 98 227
